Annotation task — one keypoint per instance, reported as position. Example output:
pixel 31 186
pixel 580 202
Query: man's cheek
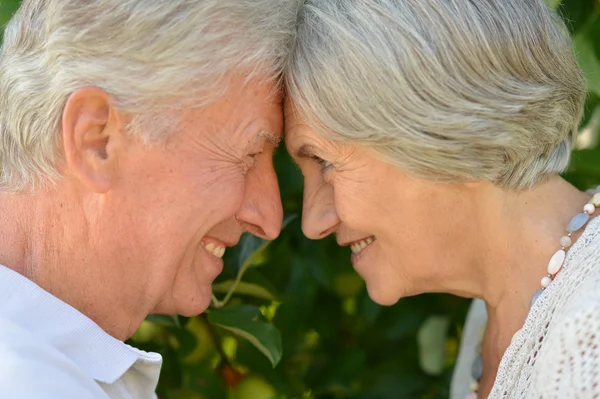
pixel 222 201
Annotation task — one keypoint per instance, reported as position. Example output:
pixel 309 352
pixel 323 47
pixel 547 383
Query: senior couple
pixel 136 140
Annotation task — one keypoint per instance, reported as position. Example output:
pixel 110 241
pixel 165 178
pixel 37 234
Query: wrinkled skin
pixel 124 233
pixel 472 239
pixel 426 236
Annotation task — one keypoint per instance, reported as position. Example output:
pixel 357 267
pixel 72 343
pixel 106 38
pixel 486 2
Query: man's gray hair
pixel 153 57
pixel 451 90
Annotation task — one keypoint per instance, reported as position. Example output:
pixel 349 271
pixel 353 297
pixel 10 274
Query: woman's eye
pixel 324 164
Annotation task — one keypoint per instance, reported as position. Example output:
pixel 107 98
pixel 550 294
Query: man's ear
pixel 92 132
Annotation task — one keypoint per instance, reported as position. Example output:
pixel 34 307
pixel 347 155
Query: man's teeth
pixel 359 246
pixel 213 249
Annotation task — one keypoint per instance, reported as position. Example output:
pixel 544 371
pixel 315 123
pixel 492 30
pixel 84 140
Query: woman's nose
pixel 319 216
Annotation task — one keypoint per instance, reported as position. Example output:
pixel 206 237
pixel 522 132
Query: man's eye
pixel 250 161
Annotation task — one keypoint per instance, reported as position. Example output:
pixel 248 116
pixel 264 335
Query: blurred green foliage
pixel 291 319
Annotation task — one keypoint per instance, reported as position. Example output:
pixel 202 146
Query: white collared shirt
pixel 48 349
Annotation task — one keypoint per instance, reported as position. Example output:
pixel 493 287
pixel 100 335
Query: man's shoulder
pixel 31 368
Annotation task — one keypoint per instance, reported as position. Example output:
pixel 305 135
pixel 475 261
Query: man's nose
pixel 319 216
pixel 261 213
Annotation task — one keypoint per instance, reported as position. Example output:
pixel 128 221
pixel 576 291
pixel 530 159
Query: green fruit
pixel 431 338
pixel 147 332
pixel 253 387
pixel 204 342
pixel 347 284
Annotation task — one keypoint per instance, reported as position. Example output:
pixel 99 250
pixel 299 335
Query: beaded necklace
pixel 554 267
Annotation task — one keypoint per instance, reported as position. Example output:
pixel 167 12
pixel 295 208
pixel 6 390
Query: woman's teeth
pixel 359 246
pixel 213 249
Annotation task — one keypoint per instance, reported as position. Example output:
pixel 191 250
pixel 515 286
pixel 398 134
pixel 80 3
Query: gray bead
pixel 578 221
pixel 477 368
pixel 535 297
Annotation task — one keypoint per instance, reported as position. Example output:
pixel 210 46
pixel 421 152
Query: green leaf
pixel 247 322
pixel 165 320
pixel 586 161
pixel 249 251
pixel 576 14
pixel 254 276
pixel 244 288
pixel 588 62
pixel 7 9
pixel 554 3
pixel 186 341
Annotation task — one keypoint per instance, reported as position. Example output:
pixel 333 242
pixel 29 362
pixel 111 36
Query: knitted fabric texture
pixel 557 352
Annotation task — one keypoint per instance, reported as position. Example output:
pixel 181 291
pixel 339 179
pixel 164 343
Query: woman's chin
pixel 381 295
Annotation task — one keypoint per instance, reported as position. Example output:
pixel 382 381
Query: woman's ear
pixel 92 133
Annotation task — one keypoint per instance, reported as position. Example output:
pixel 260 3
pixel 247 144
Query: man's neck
pixel 44 239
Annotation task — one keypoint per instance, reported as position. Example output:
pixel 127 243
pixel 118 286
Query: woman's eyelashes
pixel 325 165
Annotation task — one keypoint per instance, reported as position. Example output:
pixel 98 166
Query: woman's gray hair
pixel 450 90
pixel 153 57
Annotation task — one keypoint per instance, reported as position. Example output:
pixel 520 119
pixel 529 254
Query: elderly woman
pixel 135 146
pixel 431 134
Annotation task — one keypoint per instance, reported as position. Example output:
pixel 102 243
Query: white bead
pixel 556 262
pixel 474 386
pixel 565 241
pixel 595 200
pixel 546 281
pixel 589 208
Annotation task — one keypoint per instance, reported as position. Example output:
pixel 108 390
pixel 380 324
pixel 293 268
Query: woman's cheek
pixel 349 202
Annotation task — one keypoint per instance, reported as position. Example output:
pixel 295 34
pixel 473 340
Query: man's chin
pixel 187 305
pixel 193 311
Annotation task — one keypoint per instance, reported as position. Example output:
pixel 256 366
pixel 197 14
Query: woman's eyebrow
pixel 305 151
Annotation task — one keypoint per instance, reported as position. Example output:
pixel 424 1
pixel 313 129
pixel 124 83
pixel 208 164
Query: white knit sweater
pixel 557 352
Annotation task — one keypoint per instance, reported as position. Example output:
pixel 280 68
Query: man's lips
pixel 215 246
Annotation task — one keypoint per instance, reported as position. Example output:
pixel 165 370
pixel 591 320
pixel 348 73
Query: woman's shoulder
pixel 581 312
pixel 570 359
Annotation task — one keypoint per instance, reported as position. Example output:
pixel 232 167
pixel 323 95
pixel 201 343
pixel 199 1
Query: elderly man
pixel 135 145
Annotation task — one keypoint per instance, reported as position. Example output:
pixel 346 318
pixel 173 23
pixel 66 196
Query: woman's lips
pixel 357 246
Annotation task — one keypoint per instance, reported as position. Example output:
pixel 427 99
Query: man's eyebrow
pixel 270 138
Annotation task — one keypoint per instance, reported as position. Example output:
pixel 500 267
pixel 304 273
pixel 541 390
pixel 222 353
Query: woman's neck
pixel 507 248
